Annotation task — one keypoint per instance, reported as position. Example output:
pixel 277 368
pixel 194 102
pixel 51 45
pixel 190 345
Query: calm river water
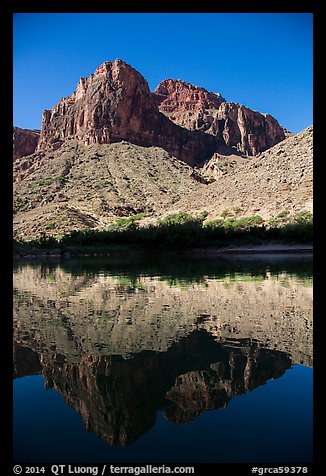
pixel 165 359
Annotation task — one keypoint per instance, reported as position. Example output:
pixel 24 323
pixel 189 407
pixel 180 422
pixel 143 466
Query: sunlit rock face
pixel 191 123
pixel 24 142
pixel 115 104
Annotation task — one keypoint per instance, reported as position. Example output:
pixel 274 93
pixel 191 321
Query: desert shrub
pixel 303 217
pixel 126 223
pixel 179 228
pixel 180 218
pixel 227 213
pixel 247 223
pixel 182 230
pixel 49 225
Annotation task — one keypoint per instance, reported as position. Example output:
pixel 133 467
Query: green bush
pixel 303 217
pixel 180 218
pixel 227 213
pixel 126 223
pixel 247 223
pixel 182 229
pixel 49 225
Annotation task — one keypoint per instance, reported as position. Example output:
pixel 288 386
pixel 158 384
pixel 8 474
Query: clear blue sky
pixel 261 60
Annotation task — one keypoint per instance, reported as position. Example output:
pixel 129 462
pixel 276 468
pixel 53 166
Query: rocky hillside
pixel 281 178
pixel 114 149
pixel 80 186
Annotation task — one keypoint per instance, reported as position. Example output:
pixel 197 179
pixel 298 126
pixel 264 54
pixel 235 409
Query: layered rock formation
pixel 115 104
pixel 242 129
pixel 99 173
pixel 24 142
pixel 179 96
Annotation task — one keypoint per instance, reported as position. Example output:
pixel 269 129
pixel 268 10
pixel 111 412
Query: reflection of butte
pixel 102 315
pixel 118 398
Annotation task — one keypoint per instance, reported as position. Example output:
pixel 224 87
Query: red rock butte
pixel 116 104
pixel 24 142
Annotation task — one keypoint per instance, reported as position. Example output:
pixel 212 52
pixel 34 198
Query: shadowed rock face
pixel 115 104
pixel 247 131
pixel 24 142
pixel 118 398
pixel 26 361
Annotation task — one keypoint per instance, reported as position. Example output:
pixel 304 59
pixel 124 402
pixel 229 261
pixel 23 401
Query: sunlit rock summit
pixel 115 104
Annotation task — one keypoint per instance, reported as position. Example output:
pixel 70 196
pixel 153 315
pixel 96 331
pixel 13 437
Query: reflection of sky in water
pixel 271 423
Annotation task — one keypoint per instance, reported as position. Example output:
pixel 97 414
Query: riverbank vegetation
pixel 183 230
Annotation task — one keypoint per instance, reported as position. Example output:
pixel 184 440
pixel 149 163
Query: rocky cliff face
pixel 241 128
pixel 115 104
pixel 106 166
pixel 175 96
pixel 24 142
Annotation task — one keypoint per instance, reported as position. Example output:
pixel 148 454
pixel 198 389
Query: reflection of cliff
pixel 26 361
pixel 118 398
pixel 119 315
